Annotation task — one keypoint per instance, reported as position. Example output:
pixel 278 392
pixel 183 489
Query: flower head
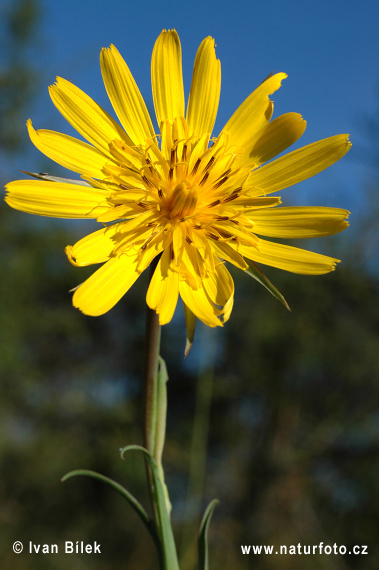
pixel 193 200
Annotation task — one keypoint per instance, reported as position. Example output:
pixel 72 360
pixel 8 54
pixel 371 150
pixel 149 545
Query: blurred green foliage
pixel 289 400
pixel 18 75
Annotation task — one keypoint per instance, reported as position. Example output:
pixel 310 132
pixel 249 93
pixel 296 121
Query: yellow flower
pixel 197 201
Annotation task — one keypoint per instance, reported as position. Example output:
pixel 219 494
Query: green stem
pixel 155 411
pixel 152 348
pixel 153 340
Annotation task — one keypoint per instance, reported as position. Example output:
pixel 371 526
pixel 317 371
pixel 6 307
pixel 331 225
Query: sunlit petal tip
pixel 71 153
pixel 104 288
pixel 167 78
pixel 275 137
pixel 254 113
pixel 59 81
pixel 125 96
pixel 68 252
pixel 298 165
pixel 205 89
pixel 228 309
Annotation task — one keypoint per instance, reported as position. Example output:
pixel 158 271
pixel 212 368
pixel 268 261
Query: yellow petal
pixel 205 89
pixel 166 77
pixel 251 205
pixel 124 176
pixel 178 241
pixel 193 265
pixel 289 258
pixel 163 292
pixel 125 96
pixel 219 286
pixel 297 166
pixel 224 251
pixel 152 249
pixel 200 304
pixel 197 152
pixel 276 137
pixel 254 113
pixel 56 199
pixel 94 248
pixel 86 116
pixel 68 151
pixel 300 222
pixel 106 286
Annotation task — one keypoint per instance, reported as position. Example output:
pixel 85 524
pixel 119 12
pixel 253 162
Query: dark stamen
pixel 220 183
pixel 230 198
pixel 215 203
pixel 226 235
pixel 147 181
pixel 210 163
pixel 196 167
pixel 235 194
pixel 204 179
pixel 151 167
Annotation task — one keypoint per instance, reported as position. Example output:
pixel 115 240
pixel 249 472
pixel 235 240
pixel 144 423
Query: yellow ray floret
pixel 189 200
pixel 205 89
pixel 71 153
pixel 57 200
pixel 125 96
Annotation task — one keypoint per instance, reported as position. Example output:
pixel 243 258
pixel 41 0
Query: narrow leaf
pixel 190 326
pixel 167 537
pixel 160 431
pixel 160 423
pixel 128 496
pixel 45 176
pixel 203 535
pixel 255 272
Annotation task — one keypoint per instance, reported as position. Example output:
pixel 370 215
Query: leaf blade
pixel 256 273
pixel 45 176
pixel 167 537
pixel 133 502
pixel 203 535
pixel 190 326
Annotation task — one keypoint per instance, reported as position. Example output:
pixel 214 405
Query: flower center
pixel 183 200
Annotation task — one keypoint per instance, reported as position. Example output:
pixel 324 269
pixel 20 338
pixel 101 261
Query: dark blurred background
pixel 276 414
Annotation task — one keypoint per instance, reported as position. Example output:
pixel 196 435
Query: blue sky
pixel 328 48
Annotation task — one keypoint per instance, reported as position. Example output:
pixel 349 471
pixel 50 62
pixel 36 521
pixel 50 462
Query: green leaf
pixel 128 496
pixel 203 535
pixel 167 538
pixel 255 272
pixel 190 325
pixel 45 176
